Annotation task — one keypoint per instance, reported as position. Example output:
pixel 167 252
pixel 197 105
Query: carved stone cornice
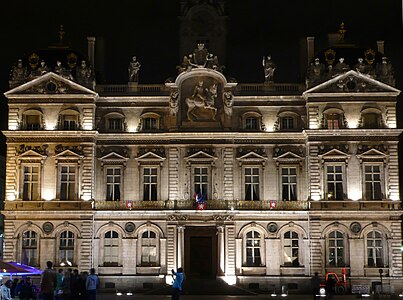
pixel 178 218
pixel 223 218
pixel 38 149
pixel 78 149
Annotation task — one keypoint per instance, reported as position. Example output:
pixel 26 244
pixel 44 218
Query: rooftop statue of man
pixel 134 68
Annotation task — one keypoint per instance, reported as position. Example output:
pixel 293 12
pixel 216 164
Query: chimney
pixel 381 46
pixel 91 50
pixel 310 41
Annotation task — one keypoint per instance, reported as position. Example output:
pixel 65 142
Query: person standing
pixel 330 287
pixel 177 286
pixel 48 282
pixel 5 291
pixel 315 286
pixel 91 284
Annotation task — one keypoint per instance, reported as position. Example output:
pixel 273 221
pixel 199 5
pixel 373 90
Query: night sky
pixel 149 30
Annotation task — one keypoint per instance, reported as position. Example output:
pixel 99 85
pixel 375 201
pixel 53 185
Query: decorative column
pixel 181 245
pixel 221 250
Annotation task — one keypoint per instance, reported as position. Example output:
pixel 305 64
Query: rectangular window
pixel 251 123
pixel 33 122
pixel 31 183
pixel 289 183
pixel 150 184
pixel 67 183
pixel 334 175
pixel 252 178
pixel 69 122
pixel 287 123
pixel 291 249
pixel 333 121
pixel 201 181
pixel 373 190
pixel 150 124
pixel 115 124
pixel 66 248
pixel 29 248
pixel 113 180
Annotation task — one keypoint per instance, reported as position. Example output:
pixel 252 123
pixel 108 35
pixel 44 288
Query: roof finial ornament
pixel 61 34
pixel 342 31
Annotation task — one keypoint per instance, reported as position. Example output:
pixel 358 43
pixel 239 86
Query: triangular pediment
pixel 113 156
pixel 252 156
pixel 351 82
pixel 68 154
pixel 288 156
pixel 150 156
pixel 334 153
pixel 372 153
pixel 50 83
pixel 200 155
pixel 30 154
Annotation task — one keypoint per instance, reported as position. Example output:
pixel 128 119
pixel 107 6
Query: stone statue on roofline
pixel 134 68
pixel 384 72
pixel 269 67
pixel 316 73
pixel 19 72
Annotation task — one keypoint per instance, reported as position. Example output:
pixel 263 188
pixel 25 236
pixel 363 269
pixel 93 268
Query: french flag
pixel 200 201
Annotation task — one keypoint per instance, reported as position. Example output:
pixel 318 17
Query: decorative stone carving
pixel 362 148
pixel 178 218
pixel 242 151
pixel 326 148
pixel 200 58
pixel 78 149
pixel 18 74
pixel 38 149
pixel 160 151
pixel 272 227
pixel 47 227
pixel 384 72
pixel 174 103
pixel 210 151
pixel 355 227
pixel 129 227
pixel 201 103
pixel 123 151
pixel 280 150
pixel 223 218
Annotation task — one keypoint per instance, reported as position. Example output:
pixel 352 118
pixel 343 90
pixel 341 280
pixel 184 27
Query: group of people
pixel 65 284
pixel 329 287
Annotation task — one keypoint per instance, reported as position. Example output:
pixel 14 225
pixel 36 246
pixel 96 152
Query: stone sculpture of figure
pixel 384 72
pixel 173 103
pixel 184 66
pixel 134 68
pixel 62 71
pixel 228 102
pixel 269 68
pixel 19 72
pixel 361 67
pixel 43 69
pixel 316 72
pixel 201 98
pixel 84 72
pixel 199 57
pixel 341 67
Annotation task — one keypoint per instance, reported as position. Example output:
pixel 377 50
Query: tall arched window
pixel 148 248
pixel 336 249
pixel 66 247
pixel 29 248
pixel 291 249
pixel 111 248
pixel 253 249
pixel 375 249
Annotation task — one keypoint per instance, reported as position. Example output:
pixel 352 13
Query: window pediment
pixel 150 158
pixel 334 153
pixel 200 156
pixel 113 158
pixel 252 158
pixel 372 155
pixel 68 155
pixel 31 155
pixel 288 157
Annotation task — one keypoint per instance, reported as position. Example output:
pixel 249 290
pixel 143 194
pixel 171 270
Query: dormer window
pixel 371 118
pixel 68 119
pixel 287 123
pixel 114 121
pixel 115 124
pixel 150 122
pixel 252 121
pixel 32 120
pixel 333 118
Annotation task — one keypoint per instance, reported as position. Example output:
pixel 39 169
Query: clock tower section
pixel 203 21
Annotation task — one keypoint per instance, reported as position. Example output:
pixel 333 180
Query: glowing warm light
pixel 230 279
pixel 169 280
pixel 11 197
pixel 86 197
pixel 394 197
pixel 355 194
pixel 12 127
pixel 315 197
pixel 132 128
pixel 161 276
pixel 87 126
pixel 51 125
pixel 47 195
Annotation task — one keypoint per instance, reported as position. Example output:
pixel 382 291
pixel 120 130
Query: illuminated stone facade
pixel 296 179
